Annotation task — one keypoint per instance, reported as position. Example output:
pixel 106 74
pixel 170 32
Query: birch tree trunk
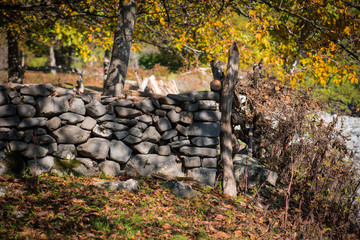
pixel 227 93
pixel 52 60
pixel 115 81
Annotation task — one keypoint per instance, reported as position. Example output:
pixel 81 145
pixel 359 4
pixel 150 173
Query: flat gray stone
pixel 186 117
pixel 207 116
pixel 50 106
pixel 190 107
pixel 164 150
pixel 127 122
pixel 3 98
pixel 100 131
pixel 136 132
pixel 14 134
pixel 167 107
pixel 198 151
pixel 12 94
pixel 60 91
pixel 71 134
pixel 110 168
pixel 119 152
pixel 65 151
pixel 114 126
pixel 142 126
pixel 17 146
pixel 179 143
pixel 9 121
pixel 145 147
pixel 179 189
pixel 204 129
pixel 72 118
pixel 127 112
pixel 95 148
pixel 169 134
pixel 123 103
pixel 161 113
pixel 30 153
pixel 88 123
pixel 209 162
pixel 205 141
pixel 43 165
pixel 146 106
pixel 44 139
pixel 204 175
pixel 7 110
pixel 77 105
pixel 192 162
pixel 173 116
pixel 39 90
pixel 146 164
pixel 120 135
pixel 52 147
pixel 25 110
pixel 181 97
pixel 151 135
pixel 130 139
pixel 85 97
pixel 106 117
pixel 32 122
pixel 53 124
pixel 129 185
pixel 95 109
pixel 167 100
pixel 204 95
pixel 28 100
pixel 145 119
pixel 86 167
pixel 208 105
pixel 106 100
pixel 163 124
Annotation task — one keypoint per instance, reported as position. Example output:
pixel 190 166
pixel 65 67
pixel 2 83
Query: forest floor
pixel 72 208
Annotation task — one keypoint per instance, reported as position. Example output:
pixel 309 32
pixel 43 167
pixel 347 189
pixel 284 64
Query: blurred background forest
pixel 311 45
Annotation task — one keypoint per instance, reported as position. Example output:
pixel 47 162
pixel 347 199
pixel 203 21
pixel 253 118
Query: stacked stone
pixel 175 135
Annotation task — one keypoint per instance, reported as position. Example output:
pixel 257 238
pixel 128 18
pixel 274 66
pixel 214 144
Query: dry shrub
pixel 315 168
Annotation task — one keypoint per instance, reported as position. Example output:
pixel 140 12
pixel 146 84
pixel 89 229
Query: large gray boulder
pixel 208 105
pixel 204 175
pixel 88 123
pixel 100 131
pixel 53 124
pixel 146 164
pixel 110 168
pixel 77 105
pixel 95 108
pixel 203 129
pixel 129 185
pixel 30 153
pixel 32 122
pixel 127 112
pixel 86 167
pixel 145 147
pixel 7 110
pixel 179 189
pixel 9 121
pixel 207 116
pixel 163 124
pixel 209 162
pixel 204 95
pixel 25 110
pixel 192 162
pixel 45 164
pixel 199 151
pixel 204 141
pixel 39 90
pixel 17 146
pixel 145 106
pixel 71 134
pixel 95 148
pixel 50 106
pixel 72 118
pixel 65 151
pixel 119 152
pixel 256 173
pixel 151 135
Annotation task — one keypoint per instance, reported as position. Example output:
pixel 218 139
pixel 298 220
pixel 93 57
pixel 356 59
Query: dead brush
pixel 315 169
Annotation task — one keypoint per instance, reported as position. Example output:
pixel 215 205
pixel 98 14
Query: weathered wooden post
pixel 227 93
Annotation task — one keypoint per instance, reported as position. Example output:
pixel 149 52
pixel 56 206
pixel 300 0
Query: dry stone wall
pixel 175 135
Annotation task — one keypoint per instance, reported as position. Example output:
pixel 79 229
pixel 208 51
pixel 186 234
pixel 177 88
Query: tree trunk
pixel 14 64
pixel 115 81
pixel 227 92
pixel 106 63
pixel 52 60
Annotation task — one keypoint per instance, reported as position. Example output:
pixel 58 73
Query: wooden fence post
pixel 227 93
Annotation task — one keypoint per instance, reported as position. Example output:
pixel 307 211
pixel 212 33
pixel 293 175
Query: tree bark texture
pixel 115 81
pixel 227 92
pixel 14 64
